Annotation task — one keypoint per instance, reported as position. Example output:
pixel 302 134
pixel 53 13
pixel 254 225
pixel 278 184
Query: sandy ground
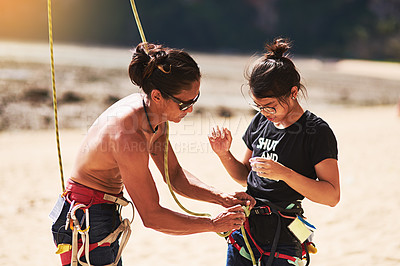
pixel 361 230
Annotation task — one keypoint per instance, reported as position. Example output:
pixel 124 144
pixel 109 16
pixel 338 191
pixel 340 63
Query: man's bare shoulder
pixel 122 121
pixel 133 140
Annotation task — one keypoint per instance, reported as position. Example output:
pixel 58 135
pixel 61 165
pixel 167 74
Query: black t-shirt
pixel 299 147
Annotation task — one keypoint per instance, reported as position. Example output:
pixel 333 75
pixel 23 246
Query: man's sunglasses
pixel 183 106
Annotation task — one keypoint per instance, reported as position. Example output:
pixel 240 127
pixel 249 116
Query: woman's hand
pixel 220 140
pixel 270 169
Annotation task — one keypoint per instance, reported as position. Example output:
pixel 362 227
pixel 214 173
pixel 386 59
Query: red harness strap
pixel 262 252
pixel 81 194
pixel 66 256
pixel 85 195
pixel 233 242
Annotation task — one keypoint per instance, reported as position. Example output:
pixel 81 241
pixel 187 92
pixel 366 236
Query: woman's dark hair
pixel 168 70
pixel 274 74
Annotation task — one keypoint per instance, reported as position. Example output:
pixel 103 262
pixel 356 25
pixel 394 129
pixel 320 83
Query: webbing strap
pixel 117 200
pixel 76 254
pixel 85 240
pixel 123 228
pixel 74 259
pixel 260 250
pixel 276 240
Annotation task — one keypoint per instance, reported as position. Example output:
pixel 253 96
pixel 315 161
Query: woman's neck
pixel 291 117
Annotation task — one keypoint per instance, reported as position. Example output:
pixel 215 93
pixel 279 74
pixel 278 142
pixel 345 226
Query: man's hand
pixel 241 198
pixel 231 219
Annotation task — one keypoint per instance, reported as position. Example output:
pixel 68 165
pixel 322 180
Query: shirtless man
pixel 115 154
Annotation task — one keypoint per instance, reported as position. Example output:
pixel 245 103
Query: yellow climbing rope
pixel 140 28
pixel 168 180
pixel 139 25
pixel 53 79
pixel 141 32
pixel 166 173
pixel 172 191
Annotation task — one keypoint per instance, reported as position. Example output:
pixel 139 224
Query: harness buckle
pixel 266 210
pixel 121 201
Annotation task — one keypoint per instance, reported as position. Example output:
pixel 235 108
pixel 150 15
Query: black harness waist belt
pixel 261 227
pixel 265 207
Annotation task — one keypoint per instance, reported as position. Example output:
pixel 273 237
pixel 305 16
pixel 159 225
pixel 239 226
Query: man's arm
pixel 137 178
pixel 186 184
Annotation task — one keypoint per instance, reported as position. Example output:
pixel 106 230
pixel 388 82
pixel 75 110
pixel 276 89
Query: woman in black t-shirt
pixel 291 154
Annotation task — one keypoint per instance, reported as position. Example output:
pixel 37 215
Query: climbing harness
pixel 268 209
pixel 82 198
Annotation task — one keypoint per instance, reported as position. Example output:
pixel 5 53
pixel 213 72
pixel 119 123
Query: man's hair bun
pixel 155 66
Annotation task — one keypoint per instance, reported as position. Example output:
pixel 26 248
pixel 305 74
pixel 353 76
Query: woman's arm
pixel 236 169
pixel 324 190
pixel 220 141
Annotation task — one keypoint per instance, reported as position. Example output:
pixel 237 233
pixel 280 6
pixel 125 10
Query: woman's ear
pixel 294 92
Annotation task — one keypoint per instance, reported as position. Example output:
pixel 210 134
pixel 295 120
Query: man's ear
pixel 156 96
